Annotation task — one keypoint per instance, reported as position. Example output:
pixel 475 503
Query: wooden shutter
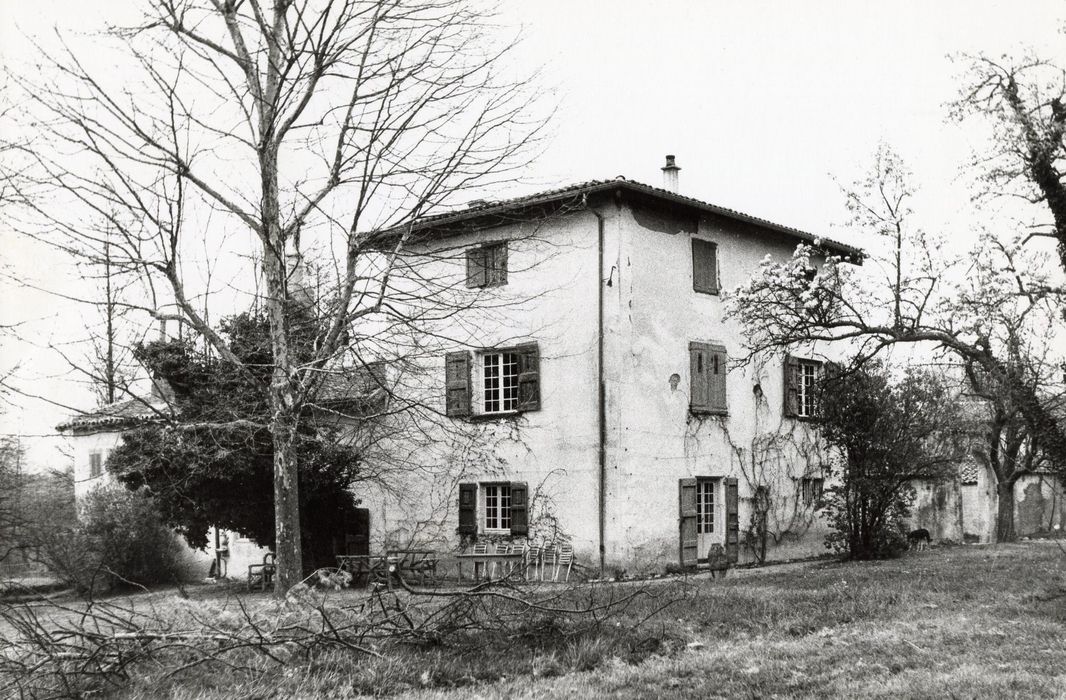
pixel 687 522
pixel 791 384
pixel 704 266
pixel 498 271
pixel 519 509
pixel 467 509
pixel 732 520
pixel 457 383
pixel 697 361
pixel 718 373
pixel 95 461
pixel 708 366
pixel 476 272
pixel 528 377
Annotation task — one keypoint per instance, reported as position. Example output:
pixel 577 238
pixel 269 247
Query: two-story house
pixel 596 397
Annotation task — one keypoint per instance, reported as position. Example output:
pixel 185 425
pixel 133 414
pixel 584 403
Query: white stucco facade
pixel 651 440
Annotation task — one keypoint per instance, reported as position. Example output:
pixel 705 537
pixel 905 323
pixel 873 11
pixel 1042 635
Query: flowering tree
pixel 990 310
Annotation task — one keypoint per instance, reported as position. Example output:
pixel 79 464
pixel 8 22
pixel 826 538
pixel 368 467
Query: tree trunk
pixel 1005 512
pixel 283 426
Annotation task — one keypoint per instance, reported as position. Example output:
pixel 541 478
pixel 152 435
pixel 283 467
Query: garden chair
pixel 262 574
pixel 547 558
pixel 480 549
pixel 531 559
pixel 565 558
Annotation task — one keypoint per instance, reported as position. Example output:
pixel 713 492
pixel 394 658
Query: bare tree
pixel 1025 101
pixel 305 124
pixel 985 310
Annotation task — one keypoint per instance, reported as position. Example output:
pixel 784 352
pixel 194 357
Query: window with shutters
pixel 486 266
pixel 494 508
pixel 811 489
pixel 801 387
pixel 493 382
pixel 704 266
pixel 708 373
pixel 96 464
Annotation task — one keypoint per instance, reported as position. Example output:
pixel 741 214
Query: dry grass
pixel 949 622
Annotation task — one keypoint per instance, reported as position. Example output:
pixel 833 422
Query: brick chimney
pixel 670 171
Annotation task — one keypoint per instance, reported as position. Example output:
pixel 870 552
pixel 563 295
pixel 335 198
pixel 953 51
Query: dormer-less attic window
pixel 704 266
pixel 486 266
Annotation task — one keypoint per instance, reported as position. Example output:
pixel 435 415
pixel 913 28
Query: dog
pixel 919 538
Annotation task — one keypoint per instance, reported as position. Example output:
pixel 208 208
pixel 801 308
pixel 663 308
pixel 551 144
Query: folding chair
pixel 547 558
pixel 531 558
pixel 566 558
pixel 480 549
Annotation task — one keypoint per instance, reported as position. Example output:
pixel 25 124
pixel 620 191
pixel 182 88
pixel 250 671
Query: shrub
pixel 889 429
pixel 119 540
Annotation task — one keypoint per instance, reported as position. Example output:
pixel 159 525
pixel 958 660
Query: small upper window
pixel 704 266
pixel 486 266
pixel 96 465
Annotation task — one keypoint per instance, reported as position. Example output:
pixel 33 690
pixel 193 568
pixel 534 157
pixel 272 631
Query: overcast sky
pixel 763 103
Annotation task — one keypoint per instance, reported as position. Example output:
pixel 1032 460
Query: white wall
pixel 651 314
pixel 654 440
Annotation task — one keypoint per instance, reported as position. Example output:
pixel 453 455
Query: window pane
pixel 704 506
pixel 491 508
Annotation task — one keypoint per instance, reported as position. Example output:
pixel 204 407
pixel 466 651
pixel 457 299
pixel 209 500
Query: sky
pixel 768 106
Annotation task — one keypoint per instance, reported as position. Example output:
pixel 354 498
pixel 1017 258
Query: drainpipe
pixel 601 398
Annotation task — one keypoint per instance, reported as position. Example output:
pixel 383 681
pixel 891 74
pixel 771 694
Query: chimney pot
pixel 670 171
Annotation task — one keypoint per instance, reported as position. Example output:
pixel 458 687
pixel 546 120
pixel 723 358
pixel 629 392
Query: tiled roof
pixel 117 415
pixel 351 384
pixel 594 186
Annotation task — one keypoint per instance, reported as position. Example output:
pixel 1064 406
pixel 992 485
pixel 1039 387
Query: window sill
pixel 709 412
pixel 708 292
pixel 805 419
pixel 488 417
pixel 497 533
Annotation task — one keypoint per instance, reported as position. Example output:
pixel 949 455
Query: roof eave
pixel 443 221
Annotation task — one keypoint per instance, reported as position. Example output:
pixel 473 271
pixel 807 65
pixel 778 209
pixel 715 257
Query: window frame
pixel 806 388
pixel 502 513
pixel 706 522
pixel 802 376
pixel 482 377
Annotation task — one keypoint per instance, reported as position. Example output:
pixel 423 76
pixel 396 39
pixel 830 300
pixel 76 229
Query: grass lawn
pixel 947 622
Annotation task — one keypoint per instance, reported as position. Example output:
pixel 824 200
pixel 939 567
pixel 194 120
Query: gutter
pixel 601 398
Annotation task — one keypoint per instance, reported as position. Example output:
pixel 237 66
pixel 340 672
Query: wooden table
pixel 513 560
pixel 372 567
pixel 415 562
